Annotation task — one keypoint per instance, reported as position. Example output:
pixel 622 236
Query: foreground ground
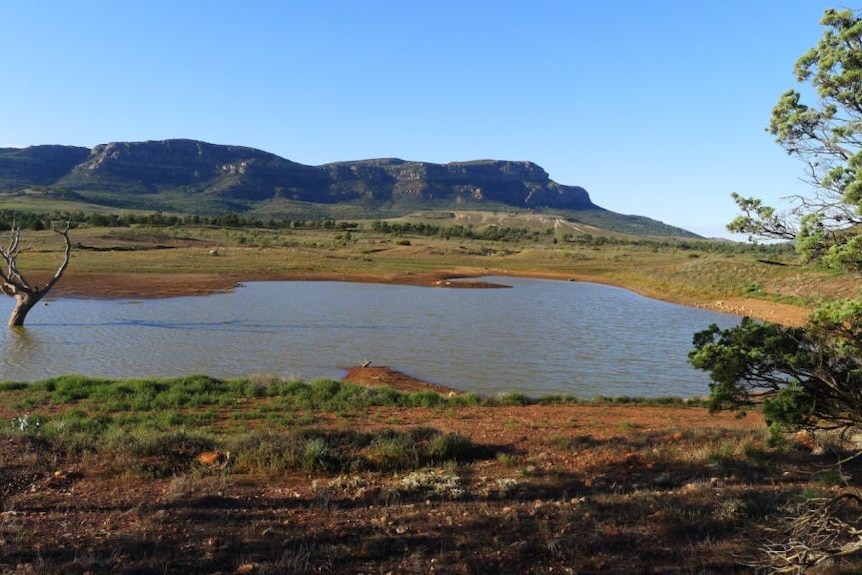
pixel 261 476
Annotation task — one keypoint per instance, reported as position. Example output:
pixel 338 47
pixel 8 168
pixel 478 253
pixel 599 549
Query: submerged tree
pixel 15 284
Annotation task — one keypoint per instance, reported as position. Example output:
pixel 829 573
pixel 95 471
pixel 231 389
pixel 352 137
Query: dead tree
pixel 14 283
pixel 817 533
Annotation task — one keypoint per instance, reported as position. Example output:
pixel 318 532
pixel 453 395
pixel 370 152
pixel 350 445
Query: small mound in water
pixel 469 284
pixel 383 376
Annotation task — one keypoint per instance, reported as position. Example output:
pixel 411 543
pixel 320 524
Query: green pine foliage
pixel 809 377
pixel 825 135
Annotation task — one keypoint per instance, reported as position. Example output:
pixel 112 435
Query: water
pixel 539 337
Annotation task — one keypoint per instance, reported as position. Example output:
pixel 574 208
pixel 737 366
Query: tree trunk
pixel 13 282
pixel 23 304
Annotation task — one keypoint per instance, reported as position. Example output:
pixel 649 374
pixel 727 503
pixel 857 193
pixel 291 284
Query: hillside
pixel 189 176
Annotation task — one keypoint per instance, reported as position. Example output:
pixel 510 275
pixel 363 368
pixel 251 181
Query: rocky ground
pixel 563 488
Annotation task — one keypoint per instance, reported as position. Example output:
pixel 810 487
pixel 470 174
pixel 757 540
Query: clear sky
pixel 657 107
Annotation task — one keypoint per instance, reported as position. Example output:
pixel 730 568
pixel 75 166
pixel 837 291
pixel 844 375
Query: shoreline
pixel 153 286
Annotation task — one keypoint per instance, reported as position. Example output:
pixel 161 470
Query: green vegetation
pixel 825 136
pixel 698 485
pixel 165 423
pixel 533 489
pixel 199 391
pixel 41 220
pixel 34 219
pixel 807 377
pixel 800 377
pixel 156 427
pixel 810 377
pixel 352 473
pixel 190 396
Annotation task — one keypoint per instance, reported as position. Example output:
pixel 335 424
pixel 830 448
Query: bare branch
pixel 16 285
pixel 67 253
pixel 815 533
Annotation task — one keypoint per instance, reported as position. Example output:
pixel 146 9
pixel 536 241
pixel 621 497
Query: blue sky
pixel 657 108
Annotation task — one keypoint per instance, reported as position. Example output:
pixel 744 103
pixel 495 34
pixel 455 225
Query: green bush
pixel 449 447
pixel 155 453
pixel 391 453
pixel 800 377
pixel 334 451
pixel 515 399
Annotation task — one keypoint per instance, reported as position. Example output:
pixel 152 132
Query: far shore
pixel 153 285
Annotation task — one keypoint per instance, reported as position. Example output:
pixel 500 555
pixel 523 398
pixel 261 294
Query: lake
pixel 539 337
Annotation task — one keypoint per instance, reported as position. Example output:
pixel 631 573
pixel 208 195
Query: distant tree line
pixel 29 221
pixel 504 233
pixel 680 244
pixel 493 233
pixel 42 221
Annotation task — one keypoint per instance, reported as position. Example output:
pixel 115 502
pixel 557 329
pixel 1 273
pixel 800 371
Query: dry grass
pixel 571 488
pixel 685 276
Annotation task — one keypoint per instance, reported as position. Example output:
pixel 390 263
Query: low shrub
pixel 155 453
pixel 336 451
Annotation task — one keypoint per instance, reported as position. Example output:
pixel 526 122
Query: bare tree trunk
pixel 13 282
pixel 23 304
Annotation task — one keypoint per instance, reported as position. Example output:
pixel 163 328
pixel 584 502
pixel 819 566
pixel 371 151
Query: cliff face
pixel 522 184
pixel 231 171
pixel 240 173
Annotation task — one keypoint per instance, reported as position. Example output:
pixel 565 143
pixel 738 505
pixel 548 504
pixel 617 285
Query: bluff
pixel 519 184
pixel 189 176
pixel 248 175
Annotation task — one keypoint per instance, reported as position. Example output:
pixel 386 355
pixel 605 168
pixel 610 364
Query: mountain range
pixel 191 176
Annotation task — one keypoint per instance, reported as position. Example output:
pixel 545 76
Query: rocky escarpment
pixel 521 184
pixel 245 174
pixel 231 171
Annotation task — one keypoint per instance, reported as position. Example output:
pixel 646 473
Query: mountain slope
pixel 37 165
pixel 193 176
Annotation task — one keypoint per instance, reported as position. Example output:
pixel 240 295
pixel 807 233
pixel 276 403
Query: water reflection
pixel 20 345
pixel 540 337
